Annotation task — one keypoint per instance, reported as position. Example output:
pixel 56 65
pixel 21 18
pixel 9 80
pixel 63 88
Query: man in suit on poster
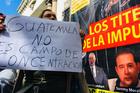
pixel 98 74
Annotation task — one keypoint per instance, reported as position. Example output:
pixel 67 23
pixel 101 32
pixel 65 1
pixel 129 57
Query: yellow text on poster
pixel 94 90
pixel 78 4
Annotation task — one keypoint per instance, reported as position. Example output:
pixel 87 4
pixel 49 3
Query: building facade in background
pixel 35 7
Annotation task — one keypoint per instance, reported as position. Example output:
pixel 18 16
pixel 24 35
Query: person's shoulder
pixel 99 68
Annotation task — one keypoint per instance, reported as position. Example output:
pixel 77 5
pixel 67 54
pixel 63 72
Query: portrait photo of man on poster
pixel 126 67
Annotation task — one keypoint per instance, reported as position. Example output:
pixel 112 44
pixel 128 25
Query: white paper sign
pixel 39 44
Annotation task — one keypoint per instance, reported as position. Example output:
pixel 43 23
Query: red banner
pixel 120 29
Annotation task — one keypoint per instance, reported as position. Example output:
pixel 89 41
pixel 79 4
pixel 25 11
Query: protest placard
pixel 36 44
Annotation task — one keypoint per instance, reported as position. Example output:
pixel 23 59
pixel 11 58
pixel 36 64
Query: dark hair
pixel 45 11
pixel 125 51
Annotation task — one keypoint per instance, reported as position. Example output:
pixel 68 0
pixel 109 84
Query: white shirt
pixel 93 69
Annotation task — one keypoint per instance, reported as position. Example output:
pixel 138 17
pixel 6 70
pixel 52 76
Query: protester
pixel 7 76
pixel 39 81
pixel 44 81
pixel 2 26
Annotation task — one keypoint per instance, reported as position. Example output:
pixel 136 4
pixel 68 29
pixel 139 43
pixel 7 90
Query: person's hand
pixel 2 26
pixel 82 33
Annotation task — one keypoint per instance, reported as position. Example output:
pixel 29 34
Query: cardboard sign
pixel 39 44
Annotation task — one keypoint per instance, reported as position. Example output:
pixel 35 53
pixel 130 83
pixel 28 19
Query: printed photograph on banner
pixel 115 69
pixel 111 45
pixel 94 73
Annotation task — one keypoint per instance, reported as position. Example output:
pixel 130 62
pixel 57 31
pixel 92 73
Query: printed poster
pixel 111 45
